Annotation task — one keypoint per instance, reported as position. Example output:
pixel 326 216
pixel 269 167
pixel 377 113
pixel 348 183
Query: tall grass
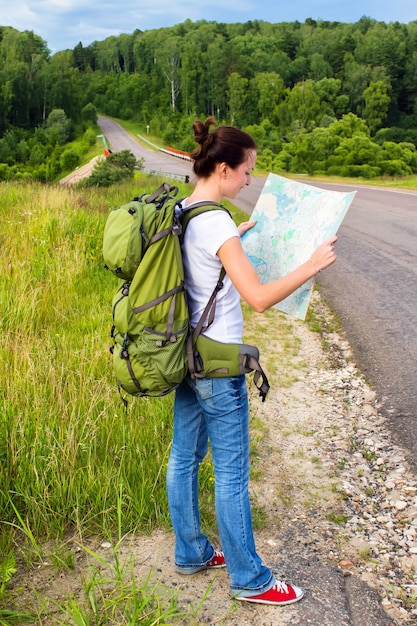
pixel 69 451
pixel 72 458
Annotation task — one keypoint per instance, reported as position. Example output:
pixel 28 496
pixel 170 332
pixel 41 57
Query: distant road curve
pixel 372 286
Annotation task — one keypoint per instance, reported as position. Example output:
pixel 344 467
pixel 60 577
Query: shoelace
pixel 280 585
pixel 217 555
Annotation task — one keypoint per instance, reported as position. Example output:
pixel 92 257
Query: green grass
pixel 113 595
pixel 71 456
pixel 400 182
pixel 67 445
pixel 73 460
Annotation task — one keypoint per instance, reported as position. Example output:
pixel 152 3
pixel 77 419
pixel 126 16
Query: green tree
pixel 304 106
pixel 398 159
pixel 356 79
pixel 384 45
pixel 319 67
pixel 125 49
pixel 38 155
pixel 6 103
pixel 62 86
pixel 328 90
pixel 322 144
pixel 330 42
pixel 22 56
pixel 270 90
pixel 237 92
pixel 266 135
pixel 349 126
pixel 170 62
pixel 89 113
pixel 190 75
pixel 216 64
pixel 377 101
pixel 58 126
pixel 107 55
pixel 408 93
pixel 22 151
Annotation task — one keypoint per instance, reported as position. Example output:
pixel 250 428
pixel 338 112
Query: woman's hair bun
pixel 201 130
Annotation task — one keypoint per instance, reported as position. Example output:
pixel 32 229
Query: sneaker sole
pixel 202 569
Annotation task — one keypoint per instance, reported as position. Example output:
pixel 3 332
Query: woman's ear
pixel 223 168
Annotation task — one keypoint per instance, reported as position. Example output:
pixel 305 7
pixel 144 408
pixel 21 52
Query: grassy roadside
pixel 72 459
pixel 74 462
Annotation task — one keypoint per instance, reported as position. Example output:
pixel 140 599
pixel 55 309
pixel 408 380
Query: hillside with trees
pixel 319 97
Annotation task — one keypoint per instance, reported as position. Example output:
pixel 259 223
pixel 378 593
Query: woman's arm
pixel 260 297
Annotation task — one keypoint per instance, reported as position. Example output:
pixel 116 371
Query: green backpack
pixel 154 346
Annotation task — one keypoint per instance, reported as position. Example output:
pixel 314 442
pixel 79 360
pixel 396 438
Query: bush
pixel 365 171
pixel 394 167
pixel 89 137
pixel 116 168
pixel 124 159
pixel 89 113
pixel 4 171
pixel 70 159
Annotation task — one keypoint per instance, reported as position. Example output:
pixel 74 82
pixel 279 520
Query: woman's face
pixel 236 179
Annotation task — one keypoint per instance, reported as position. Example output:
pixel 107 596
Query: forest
pixel 318 97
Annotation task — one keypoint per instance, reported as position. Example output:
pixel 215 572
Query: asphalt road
pixel 372 286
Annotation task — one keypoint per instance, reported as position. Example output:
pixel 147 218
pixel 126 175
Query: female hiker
pixel 216 409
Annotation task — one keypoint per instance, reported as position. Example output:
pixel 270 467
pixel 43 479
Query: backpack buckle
pixel 176 227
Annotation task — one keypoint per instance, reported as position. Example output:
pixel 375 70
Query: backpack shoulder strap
pixel 187 213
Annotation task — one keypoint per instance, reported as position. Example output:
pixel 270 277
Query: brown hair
pixel 225 144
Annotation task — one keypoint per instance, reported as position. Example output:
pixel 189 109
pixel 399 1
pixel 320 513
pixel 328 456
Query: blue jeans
pixel 215 409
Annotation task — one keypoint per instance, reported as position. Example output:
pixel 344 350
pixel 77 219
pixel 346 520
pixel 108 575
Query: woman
pixel 217 408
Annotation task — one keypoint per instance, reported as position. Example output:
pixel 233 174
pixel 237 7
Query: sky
pixel 63 24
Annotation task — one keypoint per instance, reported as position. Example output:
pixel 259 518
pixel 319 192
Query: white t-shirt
pixel 205 234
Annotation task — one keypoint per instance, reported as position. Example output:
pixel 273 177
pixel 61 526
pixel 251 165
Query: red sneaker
pixel 217 561
pixel 281 593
